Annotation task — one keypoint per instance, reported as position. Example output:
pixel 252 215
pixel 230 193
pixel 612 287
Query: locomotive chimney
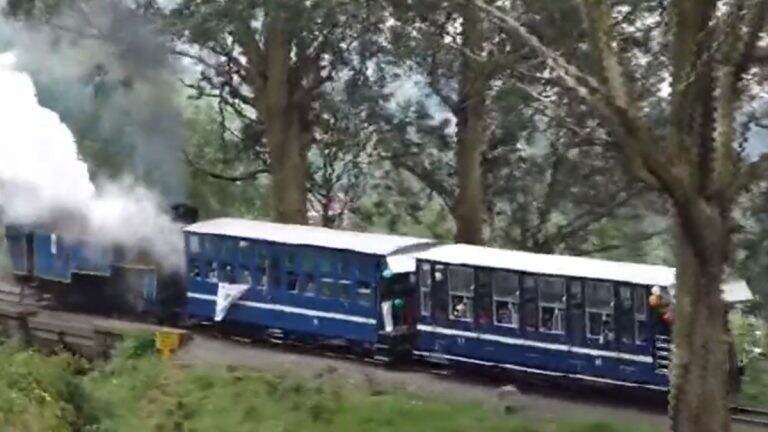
pixel 184 213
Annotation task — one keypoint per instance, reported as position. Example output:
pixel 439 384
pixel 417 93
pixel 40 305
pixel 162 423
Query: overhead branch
pixel 635 137
pixel 244 176
pixel 736 60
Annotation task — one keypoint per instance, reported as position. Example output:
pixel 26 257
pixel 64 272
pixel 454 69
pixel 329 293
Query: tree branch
pixel 248 175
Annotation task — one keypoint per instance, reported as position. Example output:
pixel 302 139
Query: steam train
pixel 382 296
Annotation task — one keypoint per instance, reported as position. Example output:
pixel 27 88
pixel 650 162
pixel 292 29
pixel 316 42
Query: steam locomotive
pixel 381 296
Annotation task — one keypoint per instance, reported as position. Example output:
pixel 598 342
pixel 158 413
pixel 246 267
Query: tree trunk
pixel 698 401
pixel 471 137
pixel 287 129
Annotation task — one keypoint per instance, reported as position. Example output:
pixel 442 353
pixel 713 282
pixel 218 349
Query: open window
pixel 625 316
pixel 364 294
pixel 194 244
pixel 244 276
pixel 641 315
pixel 552 305
pixel 262 269
pixel 275 275
pixel 599 302
pixel 327 288
pixel 461 290
pixel 213 272
pixel 345 290
pixel 529 312
pixel 227 274
pixel 425 288
pixel 308 285
pixel 506 299
pixel 576 322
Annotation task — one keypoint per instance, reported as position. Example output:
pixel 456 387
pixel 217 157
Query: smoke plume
pixel 44 181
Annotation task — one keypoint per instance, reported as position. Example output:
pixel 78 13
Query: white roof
pixel 463 254
pixel 375 244
pixel 736 291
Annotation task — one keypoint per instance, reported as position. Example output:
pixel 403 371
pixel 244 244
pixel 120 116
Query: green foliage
pixel 139 392
pixel 39 394
pixel 754 387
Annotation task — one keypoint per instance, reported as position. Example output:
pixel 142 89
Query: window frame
pixel 640 317
pixel 510 300
pixel 469 298
pixel 195 244
pixel 608 311
pixel 560 309
pixel 425 289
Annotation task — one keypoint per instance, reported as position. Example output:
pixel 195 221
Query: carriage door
pixel 398 302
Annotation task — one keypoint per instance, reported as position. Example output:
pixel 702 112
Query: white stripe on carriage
pixel 536 344
pixel 428 354
pixel 292 309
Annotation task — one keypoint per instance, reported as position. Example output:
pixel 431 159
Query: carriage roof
pixel 369 243
pixel 556 265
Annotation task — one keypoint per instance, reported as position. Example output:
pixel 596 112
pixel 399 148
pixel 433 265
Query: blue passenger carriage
pixel 82 274
pixel 544 314
pixel 305 283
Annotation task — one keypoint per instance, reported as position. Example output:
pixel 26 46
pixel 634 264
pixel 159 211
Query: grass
pixel 136 392
pixel 754 389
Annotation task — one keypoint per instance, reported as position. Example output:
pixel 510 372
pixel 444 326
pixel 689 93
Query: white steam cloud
pixel 43 181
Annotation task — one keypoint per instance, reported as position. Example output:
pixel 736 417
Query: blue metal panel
pixel 52 257
pixel 588 366
pixel 16 239
pixel 88 257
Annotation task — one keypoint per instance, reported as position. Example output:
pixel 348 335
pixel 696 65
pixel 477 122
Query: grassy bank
pixel 136 392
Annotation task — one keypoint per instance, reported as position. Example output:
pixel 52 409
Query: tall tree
pixel 270 62
pixel 460 77
pixel 695 161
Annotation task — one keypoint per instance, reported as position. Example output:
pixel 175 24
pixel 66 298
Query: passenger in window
pixel 194 272
pixel 229 275
pixel 460 310
pixel 245 277
pixel 608 333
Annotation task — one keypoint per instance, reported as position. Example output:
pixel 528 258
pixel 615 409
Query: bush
pixel 39 393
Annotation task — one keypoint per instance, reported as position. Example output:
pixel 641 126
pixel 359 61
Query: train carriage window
pixel 576 322
pixel 227 274
pixel 245 251
pixel 552 305
pixel 364 294
pixel 529 313
pixel 262 268
pixel 484 310
pixel 641 315
pixel 194 244
pixel 425 288
pixel 275 274
pixel 327 288
pixel 461 289
pixel 244 276
pixel 599 296
pixel 506 299
pixel 292 282
pixel 625 317
pixel 194 270
pixel 325 265
pixel 308 285
pixel 345 290
pixel 213 272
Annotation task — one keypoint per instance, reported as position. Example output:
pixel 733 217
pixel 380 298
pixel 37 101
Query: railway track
pixel 751 416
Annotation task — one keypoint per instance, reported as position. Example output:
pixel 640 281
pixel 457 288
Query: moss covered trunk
pixel 471 135
pixel 700 367
pixel 288 132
